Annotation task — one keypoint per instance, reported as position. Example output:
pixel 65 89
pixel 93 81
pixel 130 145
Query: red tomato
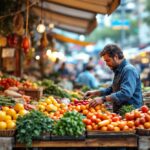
pixel 93 118
pixel 144 109
pixel 147 117
pixel 137 122
pixel 137 114
pixel 115 119
pixel 129 116
pixel 142 120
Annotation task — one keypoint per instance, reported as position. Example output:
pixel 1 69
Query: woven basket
pixel 143 132
pixel 35 94
pixel 7 133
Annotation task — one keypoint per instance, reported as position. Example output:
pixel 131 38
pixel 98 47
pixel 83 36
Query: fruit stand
pixel 61 118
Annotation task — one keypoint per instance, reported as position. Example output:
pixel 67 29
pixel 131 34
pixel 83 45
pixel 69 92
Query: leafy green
pixel 32 125
pixel 70 124
pixel 125 109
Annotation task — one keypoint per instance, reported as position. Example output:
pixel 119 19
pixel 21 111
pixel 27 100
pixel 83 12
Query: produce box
pixel 43 137
pixel 97 133
pixel 143 132
pixel 35 94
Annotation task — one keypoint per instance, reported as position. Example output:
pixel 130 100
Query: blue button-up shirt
pixel 126 87
pixel 88 79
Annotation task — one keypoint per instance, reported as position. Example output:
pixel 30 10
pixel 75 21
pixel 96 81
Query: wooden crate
pixel 35 94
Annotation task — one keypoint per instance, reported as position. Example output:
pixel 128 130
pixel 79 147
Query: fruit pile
pixel 9 82
pixel 52 108
pixel 9 115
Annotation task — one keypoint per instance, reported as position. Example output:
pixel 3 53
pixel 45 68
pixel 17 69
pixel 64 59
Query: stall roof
pixel 77 16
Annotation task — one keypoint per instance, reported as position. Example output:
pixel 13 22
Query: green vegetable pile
pixel 53 89
pixel 70 124
pixel 6 101
pixel 32 125
pixel 125 109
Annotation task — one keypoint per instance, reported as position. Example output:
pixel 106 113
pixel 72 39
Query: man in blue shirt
pixel 126 86
pixel 87 78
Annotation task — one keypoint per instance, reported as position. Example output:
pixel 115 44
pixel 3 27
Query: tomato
pixel 104 128
pixel 97 120
pixel 144 109
pixel 147 117
pixel 116 129
pixel 87 121
pixel 115 119
pixel 137 122
pixel 95 127
pixel 130 124
pixel 93 118
pixel 85 112
pixel 121 124
pixel 110 127
pixel 137 114
pixel 142 120
pixel 147 125
pixel 129 116
pixel 89 127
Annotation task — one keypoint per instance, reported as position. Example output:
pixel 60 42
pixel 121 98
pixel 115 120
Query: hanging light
pixel 51 25
pixel 41 27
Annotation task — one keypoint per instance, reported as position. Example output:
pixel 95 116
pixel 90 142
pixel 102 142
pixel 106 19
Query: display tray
pixel 68 138
pixel 144 132
pixel 97 133
pixel 44 137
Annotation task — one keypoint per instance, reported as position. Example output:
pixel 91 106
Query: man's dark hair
pixel 112 50
pixel 89 67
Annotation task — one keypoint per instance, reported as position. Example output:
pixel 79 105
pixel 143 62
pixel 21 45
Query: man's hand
pixel 96 101
pixel 90 94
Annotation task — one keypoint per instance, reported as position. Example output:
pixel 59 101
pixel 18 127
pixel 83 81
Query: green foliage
pixel 70 124
pixel 125 109
pixel 54 89
pixel 32 125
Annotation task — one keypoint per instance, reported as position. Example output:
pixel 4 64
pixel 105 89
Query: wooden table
pixel 89 142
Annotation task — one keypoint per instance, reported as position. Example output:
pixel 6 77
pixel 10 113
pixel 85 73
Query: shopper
pixel 126 86
pixel 87 78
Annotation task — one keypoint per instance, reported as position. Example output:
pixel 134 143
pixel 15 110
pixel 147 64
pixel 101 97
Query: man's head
pixel 89 68
pixel 112 55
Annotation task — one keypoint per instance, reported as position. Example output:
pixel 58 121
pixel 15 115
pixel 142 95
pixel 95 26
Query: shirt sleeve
pixel 106 91
pixel 127 87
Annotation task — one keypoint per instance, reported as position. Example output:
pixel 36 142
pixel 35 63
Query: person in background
pixel 56 65
pixel 126 86
pixel 87 78
pixel 63 71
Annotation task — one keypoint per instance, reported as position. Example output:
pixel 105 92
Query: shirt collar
pixel 119 68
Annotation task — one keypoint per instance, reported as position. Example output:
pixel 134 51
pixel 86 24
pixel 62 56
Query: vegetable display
pixel 70 124
pixel 32 125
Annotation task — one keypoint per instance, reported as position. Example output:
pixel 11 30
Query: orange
pixel 15 116
pixel 3 125
pixel 22 112
pixel 7 117
pixel 11 124
pixel 18 107
pixel 2 115
pixel 5 108
pixel 11 112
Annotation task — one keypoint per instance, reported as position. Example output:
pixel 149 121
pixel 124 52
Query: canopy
pixel 77 16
